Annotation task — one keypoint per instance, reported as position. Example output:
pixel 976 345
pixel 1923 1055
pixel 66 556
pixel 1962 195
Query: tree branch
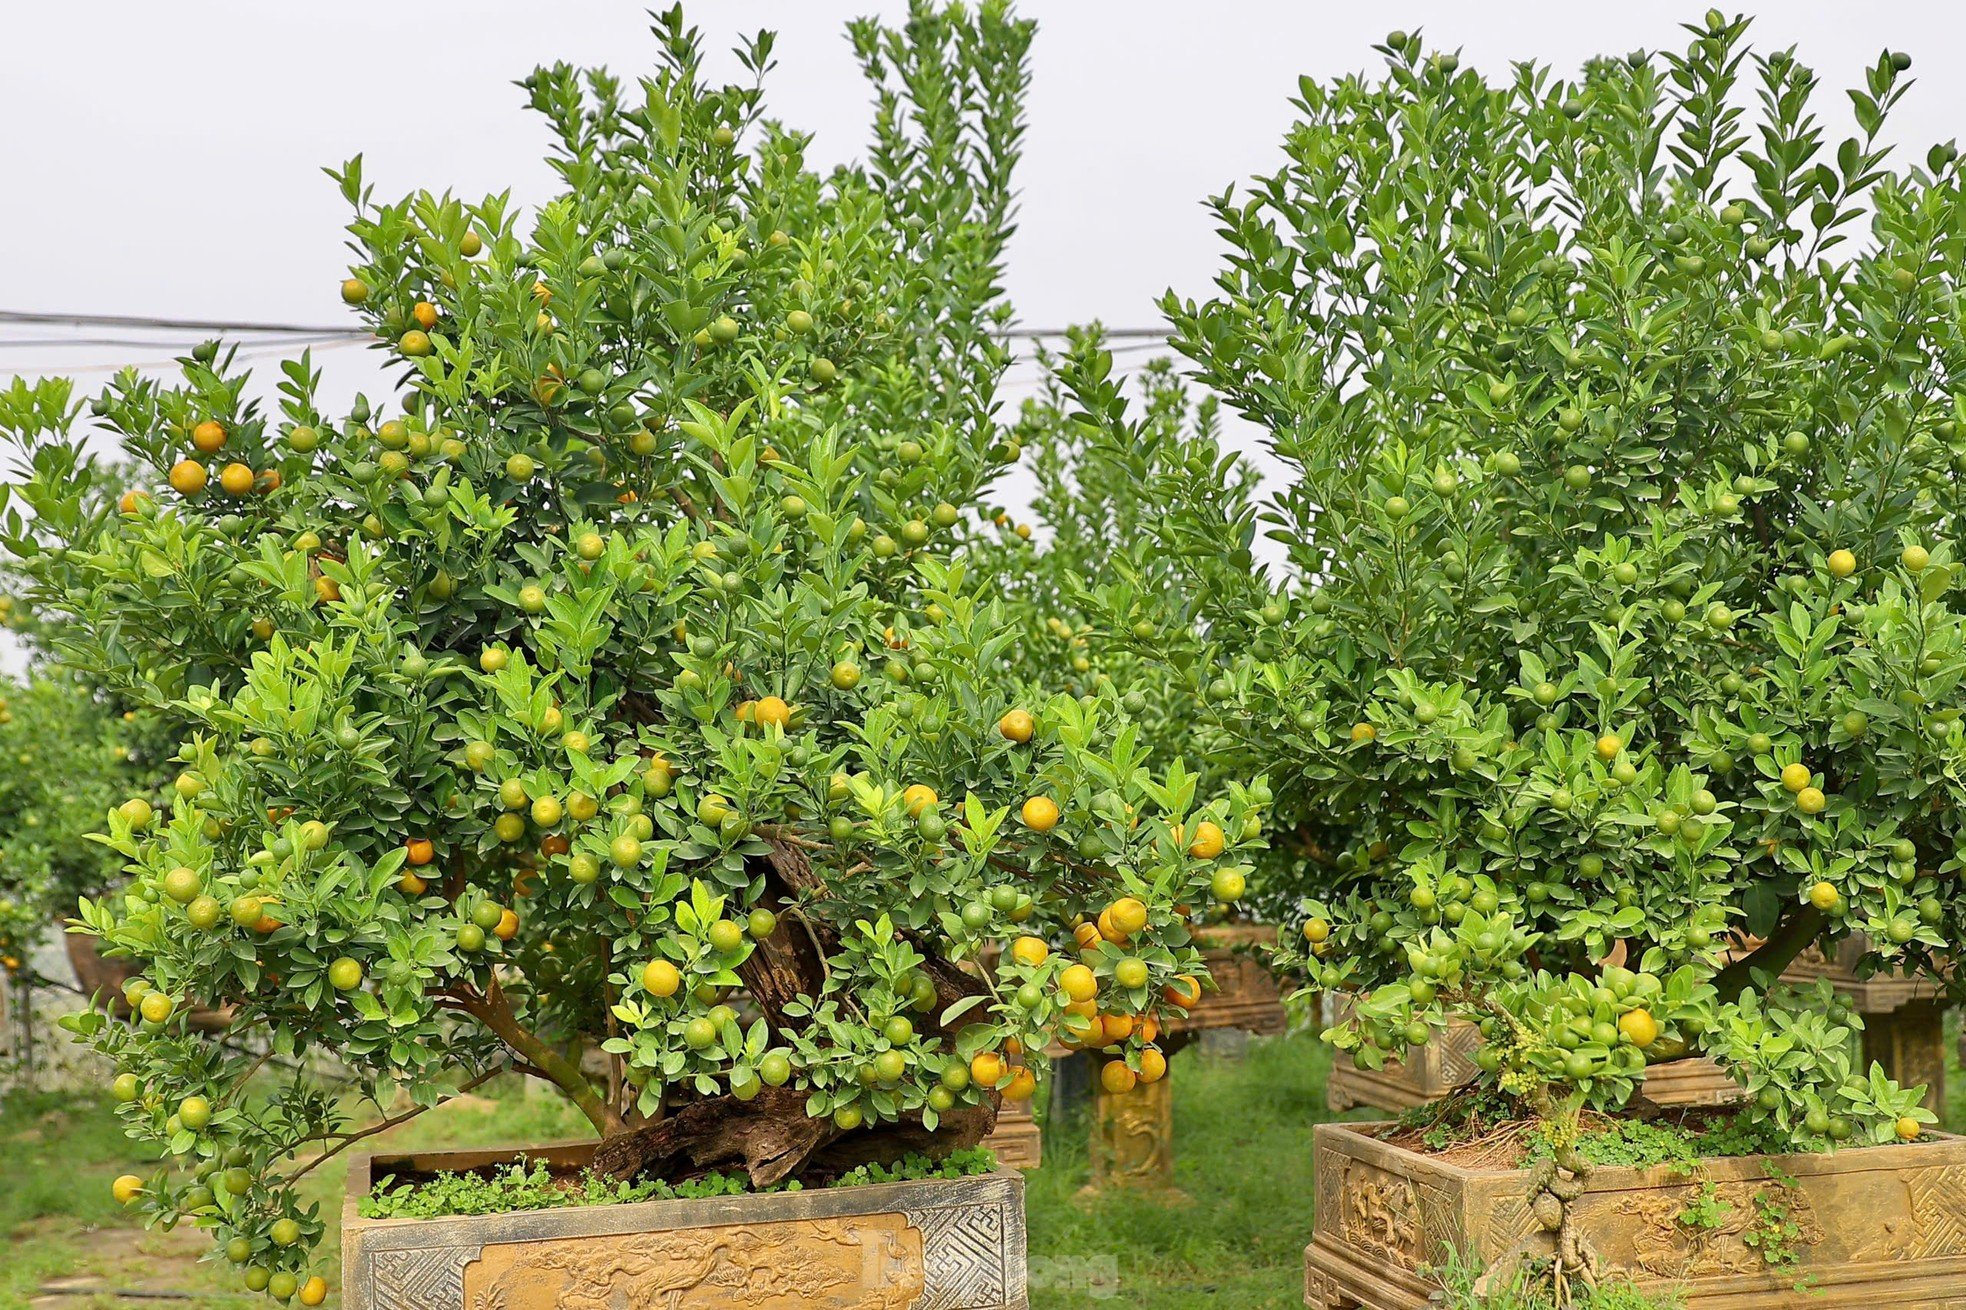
pixel 1791 937
pixel 349 1139
pixel 493 1011
pixel 615 1071
pixel 781 833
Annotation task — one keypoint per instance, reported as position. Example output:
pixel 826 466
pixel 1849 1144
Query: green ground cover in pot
pixel 1493 1125
pixel 537 1187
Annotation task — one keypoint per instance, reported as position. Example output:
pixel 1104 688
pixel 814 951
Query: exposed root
pixel 1556 1182
pixel 772 1138
pixel 1574 1262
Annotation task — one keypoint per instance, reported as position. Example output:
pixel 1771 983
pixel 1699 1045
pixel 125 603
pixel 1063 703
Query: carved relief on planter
pixel 1379 1214
pixel 938 1244
pixel 1866 1227
pixel 869 1263
pixel 1665 1247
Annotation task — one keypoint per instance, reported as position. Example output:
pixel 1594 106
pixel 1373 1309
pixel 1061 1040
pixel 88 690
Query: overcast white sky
pixel 165 158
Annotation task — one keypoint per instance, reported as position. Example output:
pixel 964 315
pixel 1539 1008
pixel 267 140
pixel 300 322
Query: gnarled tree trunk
pixel 770 1136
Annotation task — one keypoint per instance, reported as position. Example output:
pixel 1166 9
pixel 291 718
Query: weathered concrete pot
pixel 1879 1226
pixel 1017 1139
pixel 1427 1074
pixel 939 1244
pixel 1245 995
pixel 1445 1064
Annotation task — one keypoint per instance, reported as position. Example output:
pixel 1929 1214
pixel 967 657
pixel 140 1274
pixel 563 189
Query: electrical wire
pixel 288 336
pixel 267 351
pixel 175 324
pixel 44 343
pixel 159 323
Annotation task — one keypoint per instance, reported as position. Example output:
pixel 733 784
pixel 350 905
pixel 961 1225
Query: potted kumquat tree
pixel 1623 429
pixel 65 758
pixel 1106 605
pixel 618 705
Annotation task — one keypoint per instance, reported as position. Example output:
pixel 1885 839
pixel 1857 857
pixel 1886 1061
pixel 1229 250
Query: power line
pixel 260 351
pixel 162 324
pixel 47 343
pixel 175 324
pixel 1107 334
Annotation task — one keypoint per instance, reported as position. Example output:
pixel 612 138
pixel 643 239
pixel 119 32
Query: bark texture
pixel 770 1136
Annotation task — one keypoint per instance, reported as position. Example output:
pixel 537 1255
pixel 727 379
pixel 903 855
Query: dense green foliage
pixel 1127 465
pixel 65 761
pixel 1094 558
pixel 1623 431
pixel 628 659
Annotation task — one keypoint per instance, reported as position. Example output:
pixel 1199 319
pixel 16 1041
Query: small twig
pixel 349 1139
pixel 780 833
pixel 1093 871
pixel 253 1068
pixel 139 1293
pixel 812 935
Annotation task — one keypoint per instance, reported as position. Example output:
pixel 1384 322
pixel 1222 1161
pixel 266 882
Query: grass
pixel 58 1153
pixel 1242 1158
pixel 1459 1279
pixel 1242 1152
pixel 1952 1115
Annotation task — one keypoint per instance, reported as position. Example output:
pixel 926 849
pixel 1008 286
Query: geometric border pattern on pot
pixel 973 1238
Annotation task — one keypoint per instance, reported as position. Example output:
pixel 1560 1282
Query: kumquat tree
pixel 1624 435
pixel 617 704
pixel 1092 556
pixel 65 759
pixel 1126 570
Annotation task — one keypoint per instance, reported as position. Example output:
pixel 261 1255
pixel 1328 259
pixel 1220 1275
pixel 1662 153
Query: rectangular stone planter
pixel 1017 1139
pixel 938 1244
pixel 1444 1064
pixel 1245 995
pixel 1904 1016
pixel 1877 1226
pixel 1428 1074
